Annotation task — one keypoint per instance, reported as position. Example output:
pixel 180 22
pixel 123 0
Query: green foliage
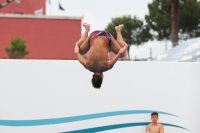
pixel 189 15
pixel 17 49
pixel 159 17
pixel 134 31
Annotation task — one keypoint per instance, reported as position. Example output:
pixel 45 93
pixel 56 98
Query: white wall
pixel 45 96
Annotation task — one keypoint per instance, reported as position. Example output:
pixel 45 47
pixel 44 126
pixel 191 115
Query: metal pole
pixel 150 53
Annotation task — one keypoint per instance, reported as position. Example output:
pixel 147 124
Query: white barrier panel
pixel 57 97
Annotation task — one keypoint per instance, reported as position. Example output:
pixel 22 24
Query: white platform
pixel 45 96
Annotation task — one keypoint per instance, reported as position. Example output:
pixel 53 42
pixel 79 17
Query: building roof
pixel 2 15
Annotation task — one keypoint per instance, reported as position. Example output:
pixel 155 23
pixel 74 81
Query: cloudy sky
pixel 99 13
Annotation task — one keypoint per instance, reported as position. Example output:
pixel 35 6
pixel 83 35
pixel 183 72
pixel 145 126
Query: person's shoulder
pixel 105 65
pixel 89 65
pixel 148 125
pixel 161 125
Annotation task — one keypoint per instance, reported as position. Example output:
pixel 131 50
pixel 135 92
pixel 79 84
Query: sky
pixel 99 13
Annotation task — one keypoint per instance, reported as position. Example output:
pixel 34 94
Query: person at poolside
pixel 96 46
pixel 154 126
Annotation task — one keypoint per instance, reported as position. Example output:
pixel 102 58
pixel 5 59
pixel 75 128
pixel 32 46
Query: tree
pixel 17 49
pixel 159 17
pixel 189 15
pixel 174 21
pixel 134 31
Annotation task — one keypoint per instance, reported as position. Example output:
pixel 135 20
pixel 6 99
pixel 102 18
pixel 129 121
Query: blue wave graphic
pixel 117 126
pixel 74 118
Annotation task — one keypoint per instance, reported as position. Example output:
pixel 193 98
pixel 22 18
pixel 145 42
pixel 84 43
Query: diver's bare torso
pixel 97 56
pixel 154 128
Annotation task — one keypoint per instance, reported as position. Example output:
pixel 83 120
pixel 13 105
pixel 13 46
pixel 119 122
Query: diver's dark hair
pixel 154 113
pixel 96 81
